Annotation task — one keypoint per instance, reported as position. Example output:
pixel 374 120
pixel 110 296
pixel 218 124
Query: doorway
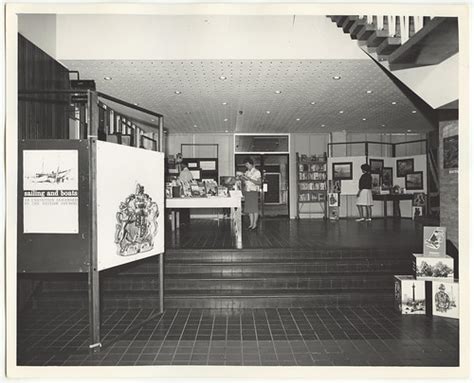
pixel 274 195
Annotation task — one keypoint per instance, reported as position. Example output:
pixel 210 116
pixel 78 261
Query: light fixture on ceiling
pixel 413 111
pixel 267 112
pixel 107 78
pixel 323 126
pixel 195 126
pixel 278 91
pixel 341 111
pixel 313 102
pixel 364 119
pixel 222 78
pixel 409 130
pixel 152 120
pixel 224 103
pixel 394 103
pixel 383 125
pixel 298 119
pixel 336 77
pixel 226 131
pixel 226 119
pixel 177 92
pixel 369 91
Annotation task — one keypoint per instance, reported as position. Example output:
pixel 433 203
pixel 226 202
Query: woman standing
pixel 364 196
pixel 253 180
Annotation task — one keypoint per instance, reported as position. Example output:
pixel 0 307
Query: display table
pixel 395 198
pixel 233 203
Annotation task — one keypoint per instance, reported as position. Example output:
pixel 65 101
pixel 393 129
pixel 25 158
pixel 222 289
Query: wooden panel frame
pixel 51 253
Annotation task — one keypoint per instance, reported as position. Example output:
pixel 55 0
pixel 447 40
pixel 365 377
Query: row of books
pixel 312 197
pixel 312 186
pixel 312 176
pixel 312 167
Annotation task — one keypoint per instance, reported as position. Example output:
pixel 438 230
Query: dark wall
pixel 448 182
pixel 41 116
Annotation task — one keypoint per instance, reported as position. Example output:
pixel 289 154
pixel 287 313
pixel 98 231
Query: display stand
pixel 311 182
pixel 76 215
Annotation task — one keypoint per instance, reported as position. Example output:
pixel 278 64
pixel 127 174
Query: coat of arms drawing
pixel 137 223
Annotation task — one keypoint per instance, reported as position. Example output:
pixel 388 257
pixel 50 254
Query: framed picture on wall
pixel 387 178
pixel 450 152
pixel 405 166
pixel 375 180
pixel 414 181
pixel 376 166
pixel 342 170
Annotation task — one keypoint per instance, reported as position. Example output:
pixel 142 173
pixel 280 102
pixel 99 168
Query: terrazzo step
pixel 221 299
pixel 173 256
pixel 359 265
pixel 230 282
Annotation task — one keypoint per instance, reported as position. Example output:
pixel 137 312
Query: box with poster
pixel 433 268
pixel 445 299
pixel 333 199
pixel 434 241
pixel 334 213
pixel 417 211
pixel 410 297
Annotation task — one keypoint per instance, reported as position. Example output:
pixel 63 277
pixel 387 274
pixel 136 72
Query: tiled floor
pixel 362 336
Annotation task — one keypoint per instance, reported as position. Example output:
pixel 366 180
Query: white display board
pixel 50 191
pixel 130 204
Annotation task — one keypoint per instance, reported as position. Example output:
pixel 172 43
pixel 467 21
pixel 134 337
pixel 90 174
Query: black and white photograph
pixel 376 166
pixel 387 178
pixel 230 190
pixel 414 181
pixel 342 171
pixel 405 166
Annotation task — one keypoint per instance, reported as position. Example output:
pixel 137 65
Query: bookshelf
pixel 311 181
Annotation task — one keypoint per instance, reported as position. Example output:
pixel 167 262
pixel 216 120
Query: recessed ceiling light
pixel 177 92
pixel 278 91
pixel 364 119
pixel 222 78
pixel 195 126
pixel 313 102
pixel 298 119
pixel 341 111
pixel 226 119
pixel 369 92
pixel 226 131
pixel 336 77
pixel 383 125
pixel 394 103
pixel 413 111
pixel 224 103
pixel 267 112
pixel 409 130
pixel 323 126
pixel 107 78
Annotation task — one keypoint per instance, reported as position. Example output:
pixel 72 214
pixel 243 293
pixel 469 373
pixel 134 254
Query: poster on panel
pixel 50 191
pixel 130 204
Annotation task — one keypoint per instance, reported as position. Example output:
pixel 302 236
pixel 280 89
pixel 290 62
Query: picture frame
pixel 342 170
pixel 450 152
pixel 387 178
pixel 376 166
pixel 376 180
pixel 405 166
pixel 414 181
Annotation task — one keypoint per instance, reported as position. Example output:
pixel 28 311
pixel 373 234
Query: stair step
pixel 348 22
pixel 366 32
pixel 388 46
pixel 357 27
pixel 377 38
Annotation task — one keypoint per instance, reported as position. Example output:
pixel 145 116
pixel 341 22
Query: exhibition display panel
pixel 87 206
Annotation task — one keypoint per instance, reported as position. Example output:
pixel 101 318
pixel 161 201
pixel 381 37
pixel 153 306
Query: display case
pixel 311 181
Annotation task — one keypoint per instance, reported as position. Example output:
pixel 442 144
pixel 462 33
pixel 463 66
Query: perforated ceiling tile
pixel 273 95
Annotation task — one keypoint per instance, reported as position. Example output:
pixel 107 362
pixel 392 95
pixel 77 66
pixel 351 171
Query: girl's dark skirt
pixel 251 202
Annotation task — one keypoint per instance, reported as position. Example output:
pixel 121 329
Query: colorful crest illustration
pixel 137 223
